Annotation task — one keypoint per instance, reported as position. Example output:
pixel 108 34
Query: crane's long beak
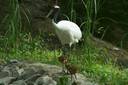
pixel 48 15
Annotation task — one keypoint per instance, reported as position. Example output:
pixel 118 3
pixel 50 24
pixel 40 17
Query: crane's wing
pixel 70 27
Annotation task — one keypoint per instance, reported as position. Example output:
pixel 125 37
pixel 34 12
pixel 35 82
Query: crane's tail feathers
pixel 76 40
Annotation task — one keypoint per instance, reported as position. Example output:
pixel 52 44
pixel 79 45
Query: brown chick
pixel 72 69
pixel 63 59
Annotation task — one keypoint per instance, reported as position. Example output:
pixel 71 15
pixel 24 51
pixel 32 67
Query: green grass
pixel 12 25
pixel 87 58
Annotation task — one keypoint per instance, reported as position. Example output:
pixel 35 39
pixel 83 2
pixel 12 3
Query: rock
pixel 37 67
pixel 78 80
pixel 118 55
pixel 1 67
pixel 82 80
pixel 4 74
pixel 28 72
pixel 36 9
pixel 7 80
pixel 32 79
pixel 13 61
pixel 49 69
pixel 45 80
pixel 30 10
pixel 38 74
pixel 19 82
pixel 20 71
pixel 12 70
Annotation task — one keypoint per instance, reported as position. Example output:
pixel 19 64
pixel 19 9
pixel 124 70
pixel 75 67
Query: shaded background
pixel 109 24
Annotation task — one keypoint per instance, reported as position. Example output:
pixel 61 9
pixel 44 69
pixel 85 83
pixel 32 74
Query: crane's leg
pixel 65 49
pixel 63 69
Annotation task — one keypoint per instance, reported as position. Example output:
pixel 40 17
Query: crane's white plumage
pixel 68 32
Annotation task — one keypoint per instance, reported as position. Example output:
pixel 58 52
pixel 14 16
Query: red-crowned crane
pixel 67 31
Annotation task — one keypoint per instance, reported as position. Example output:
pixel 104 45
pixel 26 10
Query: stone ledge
pixel 22 73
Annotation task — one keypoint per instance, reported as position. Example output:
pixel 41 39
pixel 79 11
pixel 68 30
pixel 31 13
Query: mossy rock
pixel 118 55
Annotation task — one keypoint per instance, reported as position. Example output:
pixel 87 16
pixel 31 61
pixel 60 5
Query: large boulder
pixel 118 55
pixel 31 11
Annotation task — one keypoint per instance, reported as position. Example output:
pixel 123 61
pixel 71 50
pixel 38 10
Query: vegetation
pixel 17 44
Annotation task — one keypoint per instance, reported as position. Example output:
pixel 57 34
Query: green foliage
pixel 13 24
pixel 64 80
pixel 108 74
pixel 30 49
pixel 87 58
pixel 83 12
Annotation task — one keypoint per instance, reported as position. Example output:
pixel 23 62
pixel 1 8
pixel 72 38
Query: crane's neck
pixel 54 18
pixel 53 14
pixel 55 25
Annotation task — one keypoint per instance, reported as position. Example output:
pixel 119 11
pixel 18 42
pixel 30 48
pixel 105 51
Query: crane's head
pixel 53 12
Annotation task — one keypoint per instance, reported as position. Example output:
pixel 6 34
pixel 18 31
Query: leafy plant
pixel 13 24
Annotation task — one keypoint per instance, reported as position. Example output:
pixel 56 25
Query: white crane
pixel 68 32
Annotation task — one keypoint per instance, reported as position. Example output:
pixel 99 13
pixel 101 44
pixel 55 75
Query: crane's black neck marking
pixel 53 14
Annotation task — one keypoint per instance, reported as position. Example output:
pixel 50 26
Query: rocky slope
pixel 21 73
